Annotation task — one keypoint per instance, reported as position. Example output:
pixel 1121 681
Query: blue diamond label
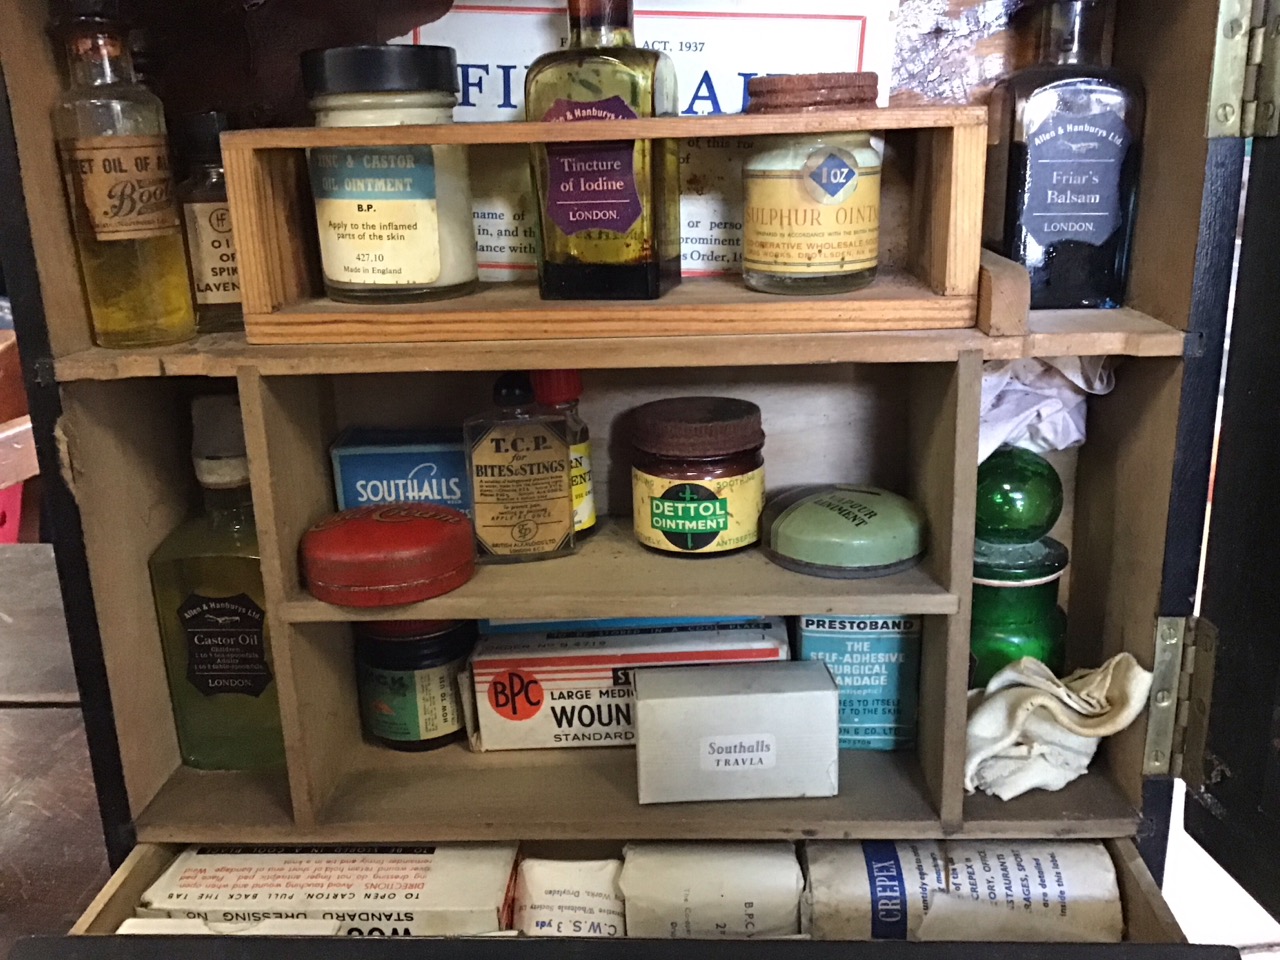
pixel 833 175
pixel 830 176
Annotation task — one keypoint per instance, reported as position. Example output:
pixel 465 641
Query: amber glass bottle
pixel 115 156
pixel 610 212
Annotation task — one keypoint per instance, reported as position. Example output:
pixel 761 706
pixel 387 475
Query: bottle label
pixel 823 218
pixel 376 213
pixel 1074 166
pixel 521 491
pixel 125 185
pixel 592 186
pixel 584 498
pixel 226 645
pixel 411 705
pixel 213 252
pixel 698 516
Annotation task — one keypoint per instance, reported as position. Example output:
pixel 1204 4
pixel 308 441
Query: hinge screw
pixel 1157 756
pixel 1163 697
pixel 1233 29
pixel 1268 110
pixel 1226 113
pixel 1168 634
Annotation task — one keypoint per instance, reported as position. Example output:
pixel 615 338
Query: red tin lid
pixel 388 555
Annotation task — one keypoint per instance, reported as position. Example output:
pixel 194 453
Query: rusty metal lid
pixel 697 427
pixel 812 91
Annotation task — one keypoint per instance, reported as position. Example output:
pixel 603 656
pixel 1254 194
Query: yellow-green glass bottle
pixel 609 211
pixel 115 160
pixel 210 605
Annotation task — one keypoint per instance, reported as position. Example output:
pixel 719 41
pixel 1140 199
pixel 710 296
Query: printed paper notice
pixel 717 46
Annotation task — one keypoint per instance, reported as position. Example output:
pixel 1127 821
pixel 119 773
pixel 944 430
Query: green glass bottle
pixel 610 212
pixel 1015 607
pixel 1019 496
pixel 209 600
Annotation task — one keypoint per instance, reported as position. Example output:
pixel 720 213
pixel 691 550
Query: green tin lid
pixel 1018 564
pixel 844 531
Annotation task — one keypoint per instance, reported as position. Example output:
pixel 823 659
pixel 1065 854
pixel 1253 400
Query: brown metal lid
pixel 697 427
pixel 812 91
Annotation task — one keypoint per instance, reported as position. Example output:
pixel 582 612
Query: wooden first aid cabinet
pixel 898 407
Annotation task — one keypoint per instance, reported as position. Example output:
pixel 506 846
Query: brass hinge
pixel 1181 686
pixel 1244 95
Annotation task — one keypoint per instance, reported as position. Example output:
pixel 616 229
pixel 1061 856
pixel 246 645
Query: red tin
pixel 388 555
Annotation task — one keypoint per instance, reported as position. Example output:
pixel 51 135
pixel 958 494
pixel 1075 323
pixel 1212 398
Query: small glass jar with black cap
pixel 394 221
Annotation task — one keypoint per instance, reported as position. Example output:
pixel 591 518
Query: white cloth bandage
pixel 1029 730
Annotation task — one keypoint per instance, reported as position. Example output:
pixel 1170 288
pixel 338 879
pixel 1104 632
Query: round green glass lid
pixel 1025 564
pixel 1019 497
pixel 843 531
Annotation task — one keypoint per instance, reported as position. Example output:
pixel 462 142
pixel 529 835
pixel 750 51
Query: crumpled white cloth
pixel 1039 404
pixel 1029 730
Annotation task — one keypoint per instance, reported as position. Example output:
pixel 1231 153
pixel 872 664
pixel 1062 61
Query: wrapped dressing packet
pixel 569 898
pixel 709 890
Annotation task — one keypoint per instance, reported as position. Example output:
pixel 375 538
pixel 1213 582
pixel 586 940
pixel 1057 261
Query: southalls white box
pixel 737 732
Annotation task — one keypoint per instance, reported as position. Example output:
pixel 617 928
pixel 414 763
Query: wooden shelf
pixel 1053 333
pixel 248 805
pixel 454 794
pixel 706 306
pixel 730 125
pixel 1090 807
pixel 613 576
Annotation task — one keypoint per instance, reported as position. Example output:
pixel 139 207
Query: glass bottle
pixel 209 602
pixel 609 212
pixel 207 216
pixel 115 157
pixel 519 460
pixel 559 391
pixel 1062 171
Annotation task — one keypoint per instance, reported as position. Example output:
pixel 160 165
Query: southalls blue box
pixel 400 466
pixel 876 664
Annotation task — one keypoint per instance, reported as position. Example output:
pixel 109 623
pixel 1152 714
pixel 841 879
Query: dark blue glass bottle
pixel 1062 172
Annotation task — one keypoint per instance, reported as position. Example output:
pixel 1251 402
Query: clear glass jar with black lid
pixel 407 672
pixel 394 221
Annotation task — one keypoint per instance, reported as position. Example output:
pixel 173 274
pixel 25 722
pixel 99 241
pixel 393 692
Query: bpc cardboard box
pixel 574 689
pixel 741 732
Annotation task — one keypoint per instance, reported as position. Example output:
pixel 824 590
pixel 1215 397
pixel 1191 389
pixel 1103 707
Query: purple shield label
pixel 592 186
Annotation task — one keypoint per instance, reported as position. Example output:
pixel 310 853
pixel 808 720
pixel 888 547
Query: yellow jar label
pixel 124 185
pixel 697 516
pixel 822 218
pixel 376 214
pixel 213 252
pixel 584 498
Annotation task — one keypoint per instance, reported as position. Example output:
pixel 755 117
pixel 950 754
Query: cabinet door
pixel 1233 769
